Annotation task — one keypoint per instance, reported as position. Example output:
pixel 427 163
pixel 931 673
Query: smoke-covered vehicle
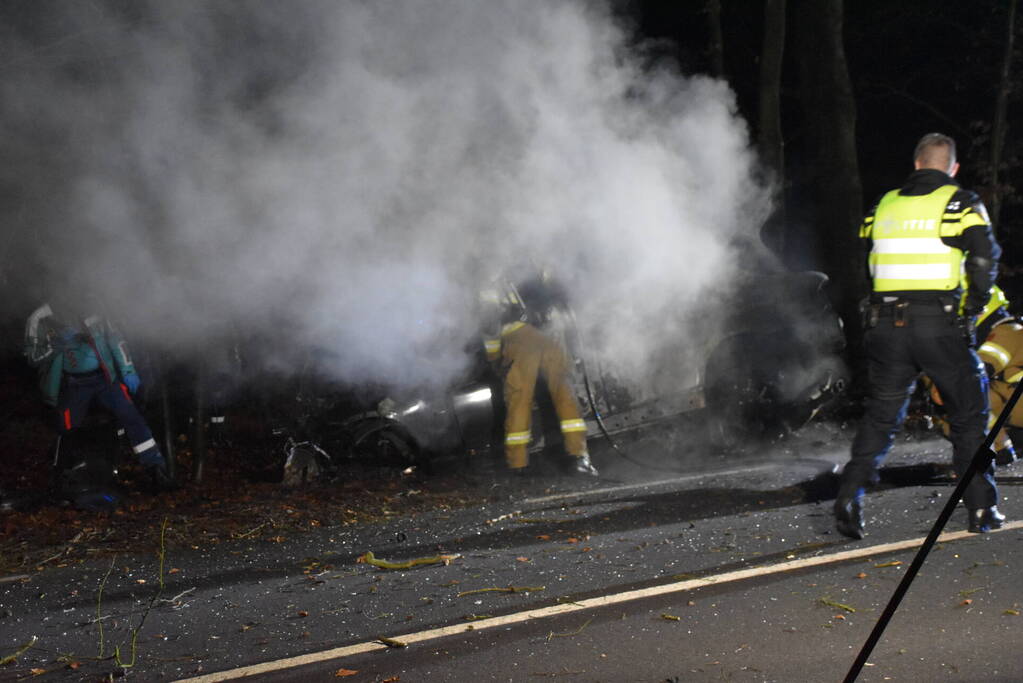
pixel 778 361
pixel 772 363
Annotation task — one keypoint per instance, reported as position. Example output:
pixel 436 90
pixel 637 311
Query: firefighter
pixel 88 362
pixel 924 238
pixel 524 352
pixel 1002 355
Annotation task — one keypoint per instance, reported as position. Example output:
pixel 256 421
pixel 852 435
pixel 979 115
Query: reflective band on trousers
pixel 573 425
pixel 999 352
pixel 1014 379
pixel 145 446
pixel 515 438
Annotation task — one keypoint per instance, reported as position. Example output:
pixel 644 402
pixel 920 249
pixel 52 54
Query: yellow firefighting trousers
pixel 526 352
pixel 998 394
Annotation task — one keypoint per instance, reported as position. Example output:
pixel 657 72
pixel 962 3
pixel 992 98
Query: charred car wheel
pixel 762 387
pixel 737 401
pixel 385 443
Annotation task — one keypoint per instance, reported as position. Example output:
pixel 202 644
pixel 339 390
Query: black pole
pixel 981 460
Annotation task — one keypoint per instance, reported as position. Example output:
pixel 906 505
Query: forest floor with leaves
pixel 222 508
pixel 237 498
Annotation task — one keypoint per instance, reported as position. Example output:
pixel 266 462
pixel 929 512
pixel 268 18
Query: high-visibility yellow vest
pixel 907 252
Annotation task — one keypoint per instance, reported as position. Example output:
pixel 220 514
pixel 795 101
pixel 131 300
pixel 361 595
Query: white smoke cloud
pixel 345 174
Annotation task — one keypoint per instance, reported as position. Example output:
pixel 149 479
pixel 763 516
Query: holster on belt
pixel 870 313
pixel 967 324
pixel 899 308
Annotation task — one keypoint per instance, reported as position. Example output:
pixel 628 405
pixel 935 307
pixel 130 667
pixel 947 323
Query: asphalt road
pixel 708 568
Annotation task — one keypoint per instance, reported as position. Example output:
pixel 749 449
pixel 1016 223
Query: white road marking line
pixel 650 484
pixel 589 603
pixel 14 577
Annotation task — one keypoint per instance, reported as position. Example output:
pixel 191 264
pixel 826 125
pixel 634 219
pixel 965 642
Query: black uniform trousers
pixel 921 337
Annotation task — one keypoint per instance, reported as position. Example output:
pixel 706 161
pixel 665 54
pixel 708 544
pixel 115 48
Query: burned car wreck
pixel 763 370
pixel 768 368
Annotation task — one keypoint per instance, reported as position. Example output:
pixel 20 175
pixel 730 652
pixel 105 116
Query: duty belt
pixel 897 308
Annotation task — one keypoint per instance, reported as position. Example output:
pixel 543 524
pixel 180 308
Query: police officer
pixel 925 239
pixel 86 362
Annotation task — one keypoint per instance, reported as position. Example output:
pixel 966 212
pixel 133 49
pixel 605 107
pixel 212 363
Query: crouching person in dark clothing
pixel 86 363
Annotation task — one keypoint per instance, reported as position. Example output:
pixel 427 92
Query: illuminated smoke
pixel 343 176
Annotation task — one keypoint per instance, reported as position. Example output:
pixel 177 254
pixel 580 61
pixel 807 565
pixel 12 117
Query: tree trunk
pixel 771 142
pixel 716 46
pixel 831 177
pixel 999 125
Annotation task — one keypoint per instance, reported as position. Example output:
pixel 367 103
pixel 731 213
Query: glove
pixel 132 382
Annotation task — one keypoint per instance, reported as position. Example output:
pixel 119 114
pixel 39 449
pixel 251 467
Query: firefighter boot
pixel 584 466
pixel 983 520
pixel 849 516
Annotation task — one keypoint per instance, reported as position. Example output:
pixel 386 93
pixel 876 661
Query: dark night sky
pixel 915 67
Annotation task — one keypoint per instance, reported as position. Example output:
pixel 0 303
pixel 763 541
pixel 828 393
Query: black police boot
pixel 983 520
pixel 849 516
pixel 1005 456
pixel 584 466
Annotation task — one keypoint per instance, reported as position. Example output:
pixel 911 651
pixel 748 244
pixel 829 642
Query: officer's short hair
pixel 936 150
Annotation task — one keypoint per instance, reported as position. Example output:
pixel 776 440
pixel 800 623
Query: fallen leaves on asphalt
pixel 839 605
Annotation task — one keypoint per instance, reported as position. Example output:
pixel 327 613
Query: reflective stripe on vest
pixel 907 252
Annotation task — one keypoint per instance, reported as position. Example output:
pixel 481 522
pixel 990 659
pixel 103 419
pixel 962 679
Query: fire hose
pixel 574 327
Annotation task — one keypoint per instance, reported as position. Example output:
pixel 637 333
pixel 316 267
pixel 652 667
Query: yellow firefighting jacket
pixel 502 313
pixel 1003 351
pixel 506 307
